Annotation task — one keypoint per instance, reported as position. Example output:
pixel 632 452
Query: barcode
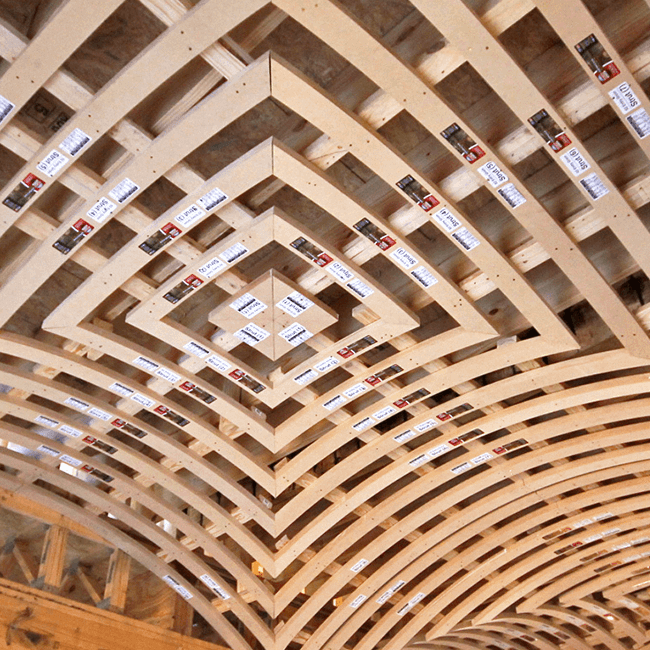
pixel 305 377
pixel 5 108
pixel 640 122
pixel 234 252
pixel 465 238
pixel 360 288
pixel 511 195
pixel 212 199
pixel 423 276
pixel 123 190
pixel 75 142
pixel 594 186
pixel 251 334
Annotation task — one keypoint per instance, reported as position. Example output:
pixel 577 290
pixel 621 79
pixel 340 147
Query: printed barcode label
pixel 70 431
pixel 177 587
pixel 434 452
pixel 594 186
pixel 251 334
pixel 123 190
pixel 340 272
pixel 602 516
pixel 384 413
pixel 335 402
pixel 404 436
pixel 611 531
pixel 404 258
pixel 99 414
pixel 189 216
pixel 512 196
pixel 575 162
pixel 48 422
pixel 145 363
pixel 70 460
pixel 459 469
pixel 447 220
pixel 266 502
pixel 424 277
pixel 75 142
pixel 143 399
pixel 214 586
pixel 52 163
pixel 364 424
pixel 357 601
pixel 5 108
pixel 361 564
pixel 306 377
pixel 218 363
pixel 624 98
pixel 417 598
pixel 211 268
pixel 121 389
pixel 77 403
pixel 482 458
pixel 360 288
pixel 295 304
pixel 326 364
pixel 167 375
pixel 355 390
pixel 418 460
pixel 295 334
pixel 233 253
pixel 196 349
pixel 248 305
pixel 640 122
pixel 465 238
pixel 390 591
pixel 493 174
pixel 48 450
pixel 583 523
pixel 212 199
pixel 426 425
pixel 102 209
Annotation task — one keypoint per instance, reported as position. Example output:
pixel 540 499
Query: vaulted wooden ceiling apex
pixel 324 324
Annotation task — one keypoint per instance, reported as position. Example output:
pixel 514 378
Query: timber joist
pixel 331 316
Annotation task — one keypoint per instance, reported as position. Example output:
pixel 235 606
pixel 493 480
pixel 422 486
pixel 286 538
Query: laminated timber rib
pixel 324 324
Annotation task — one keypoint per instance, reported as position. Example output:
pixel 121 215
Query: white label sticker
pixel 70 431
pixel 360 288
pixel 295 304
pixel 295 334
pixel 611 531
pixel 355 390
pixel 99 414
pixel 361 564
pixel 417 598
pixel 418 460
pixel 48 450
pixel 459 469
pixel 640 122
pixel 251 334
pixel 5 108
pixel 70 460
pixel 335 402
pixel 218 363
pixel 196 349
pixel 424 277
pixel 583 523
pixel 167 375
pixel 326 364
pixel 212 199
pixel 592 538
pixel 594 186
pixel 145 363
pixel 178 588
pixel 426 425
pixel 575 162
pixel 465 238
pixel 48 422
pixel 404 258
pixel 624 98
pixel 340 272
pixel 602 516
pixel 189 216
pixel 267 502
pixel 364 424
pixel 77 403
pixel 102 209
pixel 447 220
pixel 404 436
pixel 233 253
pixel 75 142
pixel 384 413
pixel 214 586
pixel 493 174
pixel 482 458
pixel 52 163
pixel 123 190
pixel 211 268
pixel 434 452
pixel 306 377
pixel 512 196
pixel 248 305
pixel 358 601
pixel 121 389
pixel 390 591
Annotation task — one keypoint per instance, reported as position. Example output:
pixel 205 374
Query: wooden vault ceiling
pixel 331 316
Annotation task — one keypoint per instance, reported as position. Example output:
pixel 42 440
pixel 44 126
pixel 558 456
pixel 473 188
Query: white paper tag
pixel 418 460
pixel 424 277
pixel 196 349
pixel 426 425
pixel 189 216
pixel 251 334
pixel 575 162
pixel 295 334
pixel 102 209
pixel 404 258
pixel 70 460
pixel 459 469
pixel 482 458
pixel 212 199
pixel 121 389
pixel 218 363
pixel 48 450
pixel 147 364
pixel 70 431
pixel 512 196
pixel 5 108
pixel 640 122
pixel 248 306
pixel 233 253
pixel 52 163
pixel 77 403
pixel 48 422
pixel 602 516
pixel 358 601
pixel 178 588
pixel 99 414
pixel 335 402
pixel 594 186
pixel 493 174
pixel 167 375
pixel 360 288
pixel 306 377
pixel 447 220
pixel 295 304
pixel 361 564
pixel 75 142
pixel 326 364
pixel 611 531
pixel 465 238
pixel 384 413
pixel 340 272
pixel 123 190
pixel 404 436
pixel 434 452
pixel 211 268
pixel 390 591
pixel 214 586
pixel 624 98
pixel 364 424
pixel 355 390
